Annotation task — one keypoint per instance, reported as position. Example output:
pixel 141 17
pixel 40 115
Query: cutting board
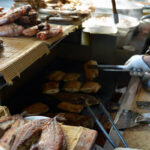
pixel 139 137
pixel 79 138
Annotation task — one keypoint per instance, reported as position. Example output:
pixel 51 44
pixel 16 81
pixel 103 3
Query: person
pixel 141 62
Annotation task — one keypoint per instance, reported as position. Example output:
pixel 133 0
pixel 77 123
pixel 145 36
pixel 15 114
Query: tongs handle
pixel 113 124
pixel 106 67
pixel 101 127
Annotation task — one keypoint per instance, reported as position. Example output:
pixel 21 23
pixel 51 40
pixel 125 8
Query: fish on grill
pixel 71 77
pixel 74 108
pixel 90 74
pixel 72 86
pixel 52 138
pixel 43 35
pixel 28 134
pixel 91 87
pixel 11 30
pixel 9 137
pixel 76 98
pixel 14 14
pixel 75 120
pixel 51 87
pixel 35 109
pixel 56 75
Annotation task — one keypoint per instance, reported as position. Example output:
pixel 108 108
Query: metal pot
pixel 129 8
pixel 136 12
pixel 123 31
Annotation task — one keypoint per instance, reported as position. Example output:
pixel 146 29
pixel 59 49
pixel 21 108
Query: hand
pixel 136 64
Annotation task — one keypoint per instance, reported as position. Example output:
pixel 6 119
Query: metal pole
pixel 101 127
pixel 114 126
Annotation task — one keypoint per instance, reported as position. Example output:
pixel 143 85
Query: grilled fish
pixel 14 14
pixel 11 30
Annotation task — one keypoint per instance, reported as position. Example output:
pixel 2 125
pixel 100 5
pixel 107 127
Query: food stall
pixel 47 49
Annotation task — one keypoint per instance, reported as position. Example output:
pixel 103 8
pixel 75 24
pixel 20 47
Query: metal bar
pixel 121 67
pixel 115 70
pixel 114 126
pixel 111 66
pixel 101 127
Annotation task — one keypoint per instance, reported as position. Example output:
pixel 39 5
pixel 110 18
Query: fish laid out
pixel 24 21
pixel 20 134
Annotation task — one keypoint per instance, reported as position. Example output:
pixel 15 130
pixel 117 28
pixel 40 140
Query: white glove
pixel 137 62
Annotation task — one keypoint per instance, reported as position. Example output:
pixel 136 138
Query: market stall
pixel 66 99
pixel 18 54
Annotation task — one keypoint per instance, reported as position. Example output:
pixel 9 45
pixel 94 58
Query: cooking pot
pixel 104 24
pixel 125 7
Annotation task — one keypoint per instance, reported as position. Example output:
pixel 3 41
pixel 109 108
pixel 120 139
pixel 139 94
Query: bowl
pixel 36 118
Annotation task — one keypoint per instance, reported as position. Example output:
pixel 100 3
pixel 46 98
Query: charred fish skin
pixel 31 31
pixel 9 137
pixel 52 138
pixel 28 134
pixel 44 35
pixel 15 14
pixel 11 30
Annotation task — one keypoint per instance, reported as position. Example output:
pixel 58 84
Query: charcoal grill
pixel 33 91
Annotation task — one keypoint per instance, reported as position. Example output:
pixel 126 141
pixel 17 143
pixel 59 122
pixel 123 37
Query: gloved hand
pixel 136 62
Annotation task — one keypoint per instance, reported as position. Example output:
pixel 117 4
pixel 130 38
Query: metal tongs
pixel 120 68
pixel 101 106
